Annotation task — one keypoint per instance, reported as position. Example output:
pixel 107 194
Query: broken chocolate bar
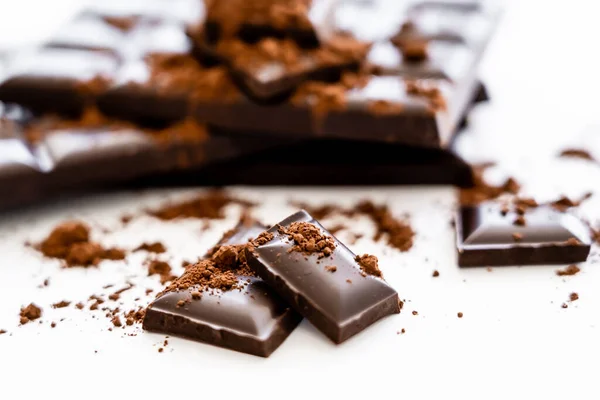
pixel 488 235
pixel 250 318
pixel 321 278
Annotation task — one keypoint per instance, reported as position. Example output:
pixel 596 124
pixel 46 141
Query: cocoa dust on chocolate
pixel 29 313
pixel 369 264
pixel 156 247
pixel 568 271
pixel 70 241
pixel 331 268
pixel 209 205
pixel 309 239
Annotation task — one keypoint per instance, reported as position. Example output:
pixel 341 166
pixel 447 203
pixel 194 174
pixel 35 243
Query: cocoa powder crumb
pixel 79 306
pixel 53 324
pixel 156 247
pixel 564 305
pixel 576 153
pixel 160 349
pixel 573 296
pixel 181 303
pixel 483 191
pixel 162 269
pixel 572 242
pixel 564 203
pixel 125 219
pixel 415 312
pixel 70 241
pixel 116 295
pixel 517 237
pixel 209 205
pixel 435 273
pixel 568 271
pixel 196 295
pixel 61 304
pixel 309 239
pixel 116 321
pixel 369 264
pixel 2 331
pixel 519 221
pixel 459 315
pixel 30 313
pixel 331 268
pixel 399 233
pixel 348 281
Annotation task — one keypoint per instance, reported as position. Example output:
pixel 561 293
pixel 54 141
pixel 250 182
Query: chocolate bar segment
pixel 251 320
pixel 490 235
pixel 328 288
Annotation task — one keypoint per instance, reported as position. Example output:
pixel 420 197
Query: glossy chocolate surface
pixel 341 303
pixel 487 237
pixel 253 320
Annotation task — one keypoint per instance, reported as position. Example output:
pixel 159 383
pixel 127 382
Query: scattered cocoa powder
pixel 160 349
pixel 30 313
pixel 161 268
pixel 61 304
pixel 156 247
pixel 126 218
pixel 482 191
pixel 459 315
pixel 117 295
pixel 70 241
pixel 415 312
pixel 576 153
pixel 568 271
pixel 519 221
pixel 369 264
pixel 331 268
pixel 399 233
pixel 309 239
pixel 336 228
pixel 79 306
pixel 348 281
pixel 116 321
pixel 123 23
pixel 209 205
pixel 135 316
pixel 435 273
pixel 564 305
pixel 564 203
pixel 53 324
pixel 573 296
pixel 2 331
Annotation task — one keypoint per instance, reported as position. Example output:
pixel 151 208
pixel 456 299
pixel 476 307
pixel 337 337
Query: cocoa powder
pixel 369 264
pixel 209 205
pixel 70 241
pixel 29 313
pixel 568 271
pixel 156 247
pixel 309 239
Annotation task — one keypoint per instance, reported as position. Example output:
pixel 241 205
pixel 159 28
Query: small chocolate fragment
pixel 30 313
pixel 568 271
pixel 251 318
pixel 485 237
pixel 340 310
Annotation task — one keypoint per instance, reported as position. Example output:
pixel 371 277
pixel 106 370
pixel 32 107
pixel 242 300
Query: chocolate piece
pixel 252 320
pixel 340 304
pixel 44 157
pixel 485 237
pixel 272 67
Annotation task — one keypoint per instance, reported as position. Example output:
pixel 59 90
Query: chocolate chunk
pixel 486 237
pixel 30 313
pixel 251 319
pixel 338 310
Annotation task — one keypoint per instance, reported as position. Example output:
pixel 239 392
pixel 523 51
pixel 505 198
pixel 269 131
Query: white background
pixel 515 341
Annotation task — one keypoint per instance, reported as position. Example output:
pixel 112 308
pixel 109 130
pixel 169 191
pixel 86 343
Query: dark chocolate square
pixel 341 303
pixel 488 237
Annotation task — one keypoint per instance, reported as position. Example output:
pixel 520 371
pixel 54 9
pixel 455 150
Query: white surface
pixel 515 341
